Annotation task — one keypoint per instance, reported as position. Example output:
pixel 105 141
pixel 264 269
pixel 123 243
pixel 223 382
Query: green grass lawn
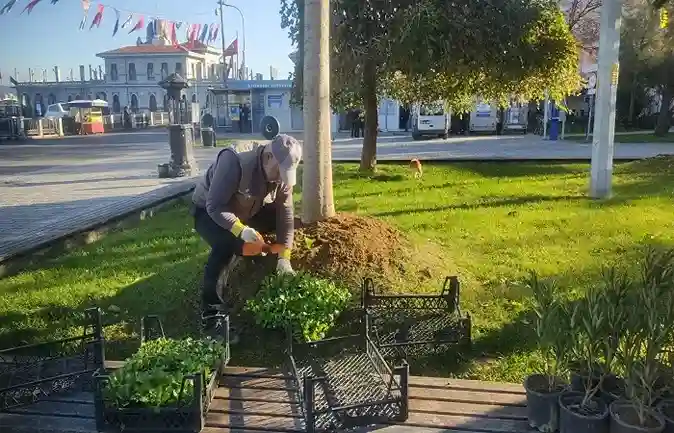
pixel 636 138
pixel 493 222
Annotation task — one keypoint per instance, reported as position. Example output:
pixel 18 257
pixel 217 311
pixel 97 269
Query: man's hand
pixel 250 235
pixel 283 266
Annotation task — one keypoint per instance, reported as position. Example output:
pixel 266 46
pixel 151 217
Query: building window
pixel 179 68
pixel 134 103
pixel 113 72
pixel 132 72
pixel 164 70
pixel 150 71
pixel 194 71
pixel 116 106
pixel 153 103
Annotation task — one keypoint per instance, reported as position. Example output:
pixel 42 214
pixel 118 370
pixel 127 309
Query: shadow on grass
pixel 521 169
pixel 514 201
pixel 644 178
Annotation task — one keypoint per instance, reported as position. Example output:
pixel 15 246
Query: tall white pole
pixel 317 196
pixel 607 86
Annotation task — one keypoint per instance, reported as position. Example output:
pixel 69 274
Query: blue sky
pixel 50 35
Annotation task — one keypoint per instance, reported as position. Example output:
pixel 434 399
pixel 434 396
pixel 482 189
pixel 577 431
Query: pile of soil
pixel 347 248
pixel 350 248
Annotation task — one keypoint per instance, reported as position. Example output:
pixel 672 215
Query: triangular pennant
pixel 210 33
pixel 116 28
pixel 139 25
pixel 86 4
pixel 174 37
pixel 98 17
pixel 29 7
pixel 128 21
pixel 204 33
pixel 215 32
pixel 7 7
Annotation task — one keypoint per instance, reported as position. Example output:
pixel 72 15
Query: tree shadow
pixel 645 178
pixel 521 169
pixel 513 201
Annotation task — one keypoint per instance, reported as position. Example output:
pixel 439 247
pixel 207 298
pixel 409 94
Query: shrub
pixel 154 375
pixel 307 304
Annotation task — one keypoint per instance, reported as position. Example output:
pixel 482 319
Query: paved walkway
pixel 47 191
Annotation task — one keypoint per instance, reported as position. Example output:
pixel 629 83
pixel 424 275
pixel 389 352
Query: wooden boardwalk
pixel 259 400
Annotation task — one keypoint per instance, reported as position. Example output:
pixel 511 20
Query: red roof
pixel 157 49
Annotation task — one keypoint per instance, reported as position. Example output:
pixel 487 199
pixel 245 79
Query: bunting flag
pixel 7 7
pixel 128 21
pixel 116 28
pixel 29 7
pixel 86 4
pixel 215 33
pixel 139 25
pixel 174 37
pixel 204 33
pixel 156 27
pixel 232 49
pixel 98 17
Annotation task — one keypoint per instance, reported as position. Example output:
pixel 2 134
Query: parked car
pixel 57 111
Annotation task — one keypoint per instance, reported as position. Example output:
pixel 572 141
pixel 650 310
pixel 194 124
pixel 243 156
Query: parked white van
pixel 57 111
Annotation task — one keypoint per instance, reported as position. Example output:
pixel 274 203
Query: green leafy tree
pixel 647 51
pixel 427 50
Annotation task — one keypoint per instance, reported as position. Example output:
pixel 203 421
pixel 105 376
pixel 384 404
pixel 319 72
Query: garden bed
pixel 409 325
pixel 344 382
pixel 32 372
pixel 163 404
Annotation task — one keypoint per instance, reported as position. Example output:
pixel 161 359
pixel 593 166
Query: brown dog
pixel 415 166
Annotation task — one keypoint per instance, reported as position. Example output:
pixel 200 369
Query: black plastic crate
pixel 344 382
pixel 31 372
pixel 407 325
pixel 186 416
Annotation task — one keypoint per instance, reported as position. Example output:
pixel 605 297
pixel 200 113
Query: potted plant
pixel 543 389
pixel 649 328
pixel 585 412
pixel 613 300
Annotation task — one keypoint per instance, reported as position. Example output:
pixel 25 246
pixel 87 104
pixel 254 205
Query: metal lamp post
pixel 243 30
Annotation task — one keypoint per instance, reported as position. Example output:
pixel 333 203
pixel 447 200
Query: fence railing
pixel 52 127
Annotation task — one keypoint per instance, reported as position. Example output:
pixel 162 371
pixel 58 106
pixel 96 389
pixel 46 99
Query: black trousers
pixel 224 245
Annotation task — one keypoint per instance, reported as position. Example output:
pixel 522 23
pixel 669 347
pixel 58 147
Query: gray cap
pixel 288 153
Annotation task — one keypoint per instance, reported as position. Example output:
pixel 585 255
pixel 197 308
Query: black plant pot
pixel 625 419
pixel 575 418
pixel 542 403
pixel 612 388
pixel 580 376
pixel 666 409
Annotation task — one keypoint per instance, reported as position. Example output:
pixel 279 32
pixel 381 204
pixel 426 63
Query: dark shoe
pixel 215 325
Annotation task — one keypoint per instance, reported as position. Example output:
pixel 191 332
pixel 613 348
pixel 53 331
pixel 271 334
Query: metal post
pixel 546 107
pixel 224 63
pixel 607 80
pixel 589 117
pixel 243 29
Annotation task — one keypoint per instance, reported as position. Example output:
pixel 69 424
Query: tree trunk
pixel 368 158
pixel 633 96
pixel 317 198
pixel 664 118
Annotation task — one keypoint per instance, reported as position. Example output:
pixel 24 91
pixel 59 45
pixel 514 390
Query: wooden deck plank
pixel 256 394
pixel 252 406
pixel 218 418
pixel 459 422
pixel 15 423
pixel 469 385
pixel 74 397
pixel 460 395
pixel 270 383
pixel 468 409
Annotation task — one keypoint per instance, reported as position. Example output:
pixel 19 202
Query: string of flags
pixel 134 21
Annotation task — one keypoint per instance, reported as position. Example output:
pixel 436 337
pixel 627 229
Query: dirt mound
pixel 350 248
pixel 347 248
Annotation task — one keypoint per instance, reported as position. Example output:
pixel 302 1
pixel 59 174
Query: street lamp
pixel 243 28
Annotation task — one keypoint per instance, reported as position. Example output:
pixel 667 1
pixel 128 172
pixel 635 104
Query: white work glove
pixel 283 266
pixel 250 235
